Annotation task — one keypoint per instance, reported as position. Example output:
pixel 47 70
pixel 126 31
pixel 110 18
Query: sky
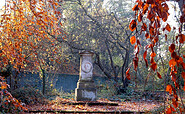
pixel 2 2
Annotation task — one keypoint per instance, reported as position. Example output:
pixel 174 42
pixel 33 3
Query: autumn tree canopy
pixel 24 32
pixel 24 39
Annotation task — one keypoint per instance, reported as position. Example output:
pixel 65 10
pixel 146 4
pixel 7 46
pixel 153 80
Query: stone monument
pixel 85 90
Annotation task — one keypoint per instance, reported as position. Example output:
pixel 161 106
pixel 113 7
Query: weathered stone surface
pixel 85 90
pixel 87 94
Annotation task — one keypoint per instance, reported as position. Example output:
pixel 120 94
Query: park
pixel 92 56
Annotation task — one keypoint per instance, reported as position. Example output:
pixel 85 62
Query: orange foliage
pixel 159 75
pixel 157 11
pixel 24 28
pixel 133 25
pixel 154 66
pixel 172 63
pixel 183 75
pixel 144 27
pixel 172 47
pixel 128 74
pixel 169 89
pixel 168 28
pixel 133 40
pixel 145 54
pixel 8 102
pixel 140 17
pixel 25 25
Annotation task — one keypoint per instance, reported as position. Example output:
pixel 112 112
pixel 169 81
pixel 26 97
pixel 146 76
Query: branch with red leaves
pixel 156 11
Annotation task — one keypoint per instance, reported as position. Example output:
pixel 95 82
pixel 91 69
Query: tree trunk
pixel 43 82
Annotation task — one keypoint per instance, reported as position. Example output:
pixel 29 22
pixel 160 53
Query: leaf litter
pixel 60 104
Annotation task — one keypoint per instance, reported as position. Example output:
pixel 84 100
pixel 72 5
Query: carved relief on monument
pixel 86 66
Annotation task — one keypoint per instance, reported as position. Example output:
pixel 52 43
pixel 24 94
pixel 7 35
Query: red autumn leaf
pixel 183 75
pixel 145 54
pixel 128 74
pixel 135 46
pixel 151 60
pixel 145 8
pixel 184 56
pixel 169 111
pixel 164 16
pixel 173 54
pixel 147 35
pixel 135 8
pixel 172 47
pixel 175 103
pixel 138 42
pixel 183 65
pixel 144 27
pixel 181 109
pixel 181 38
pixel 179 59
pixel 176 85
pixel 165 7
pixel 182 19
pixel 150 1
pixel 153 54
pixel 169 89
pixel 156 39
pixel 133 25
pixel 158 22
pixel 140 17
pixel 151 16
pixel 140 4
pixel 174 78
pixel 135 63
pixel 172 63
pixel 136 50
pixel 168 28
pixel 153 66
pixel 128 77
pixel 166 37
pixel 133 40
pixel 151 30
pixel 159 75
pixel 175 70
pixel 146 62
pixel 176 37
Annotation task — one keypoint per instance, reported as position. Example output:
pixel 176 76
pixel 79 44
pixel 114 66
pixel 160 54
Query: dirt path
pixel 65 105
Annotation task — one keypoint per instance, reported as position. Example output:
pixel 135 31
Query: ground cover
pixel 103 105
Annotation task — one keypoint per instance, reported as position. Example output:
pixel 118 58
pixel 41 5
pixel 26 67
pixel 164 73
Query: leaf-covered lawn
pixel 69 105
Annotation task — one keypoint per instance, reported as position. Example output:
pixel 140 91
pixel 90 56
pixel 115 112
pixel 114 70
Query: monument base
pixel 85 91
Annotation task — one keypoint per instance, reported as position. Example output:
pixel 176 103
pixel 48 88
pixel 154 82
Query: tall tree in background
pixel 156 12
pixel 25 25
pixel 24 32
pixel 90 26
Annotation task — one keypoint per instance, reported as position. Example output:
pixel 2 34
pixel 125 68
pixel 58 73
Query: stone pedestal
pixel 85 90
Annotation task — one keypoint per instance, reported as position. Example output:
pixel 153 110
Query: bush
pixel 29 95
pixel 106 89
pixel 8 104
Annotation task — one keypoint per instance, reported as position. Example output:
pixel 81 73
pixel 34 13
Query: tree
pixel 24 34
pixel 156 12
pixel 102 32
pixel 25 25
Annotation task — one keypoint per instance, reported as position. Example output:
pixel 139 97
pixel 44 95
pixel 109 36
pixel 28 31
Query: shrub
pixel 29 95
pixel 8 104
